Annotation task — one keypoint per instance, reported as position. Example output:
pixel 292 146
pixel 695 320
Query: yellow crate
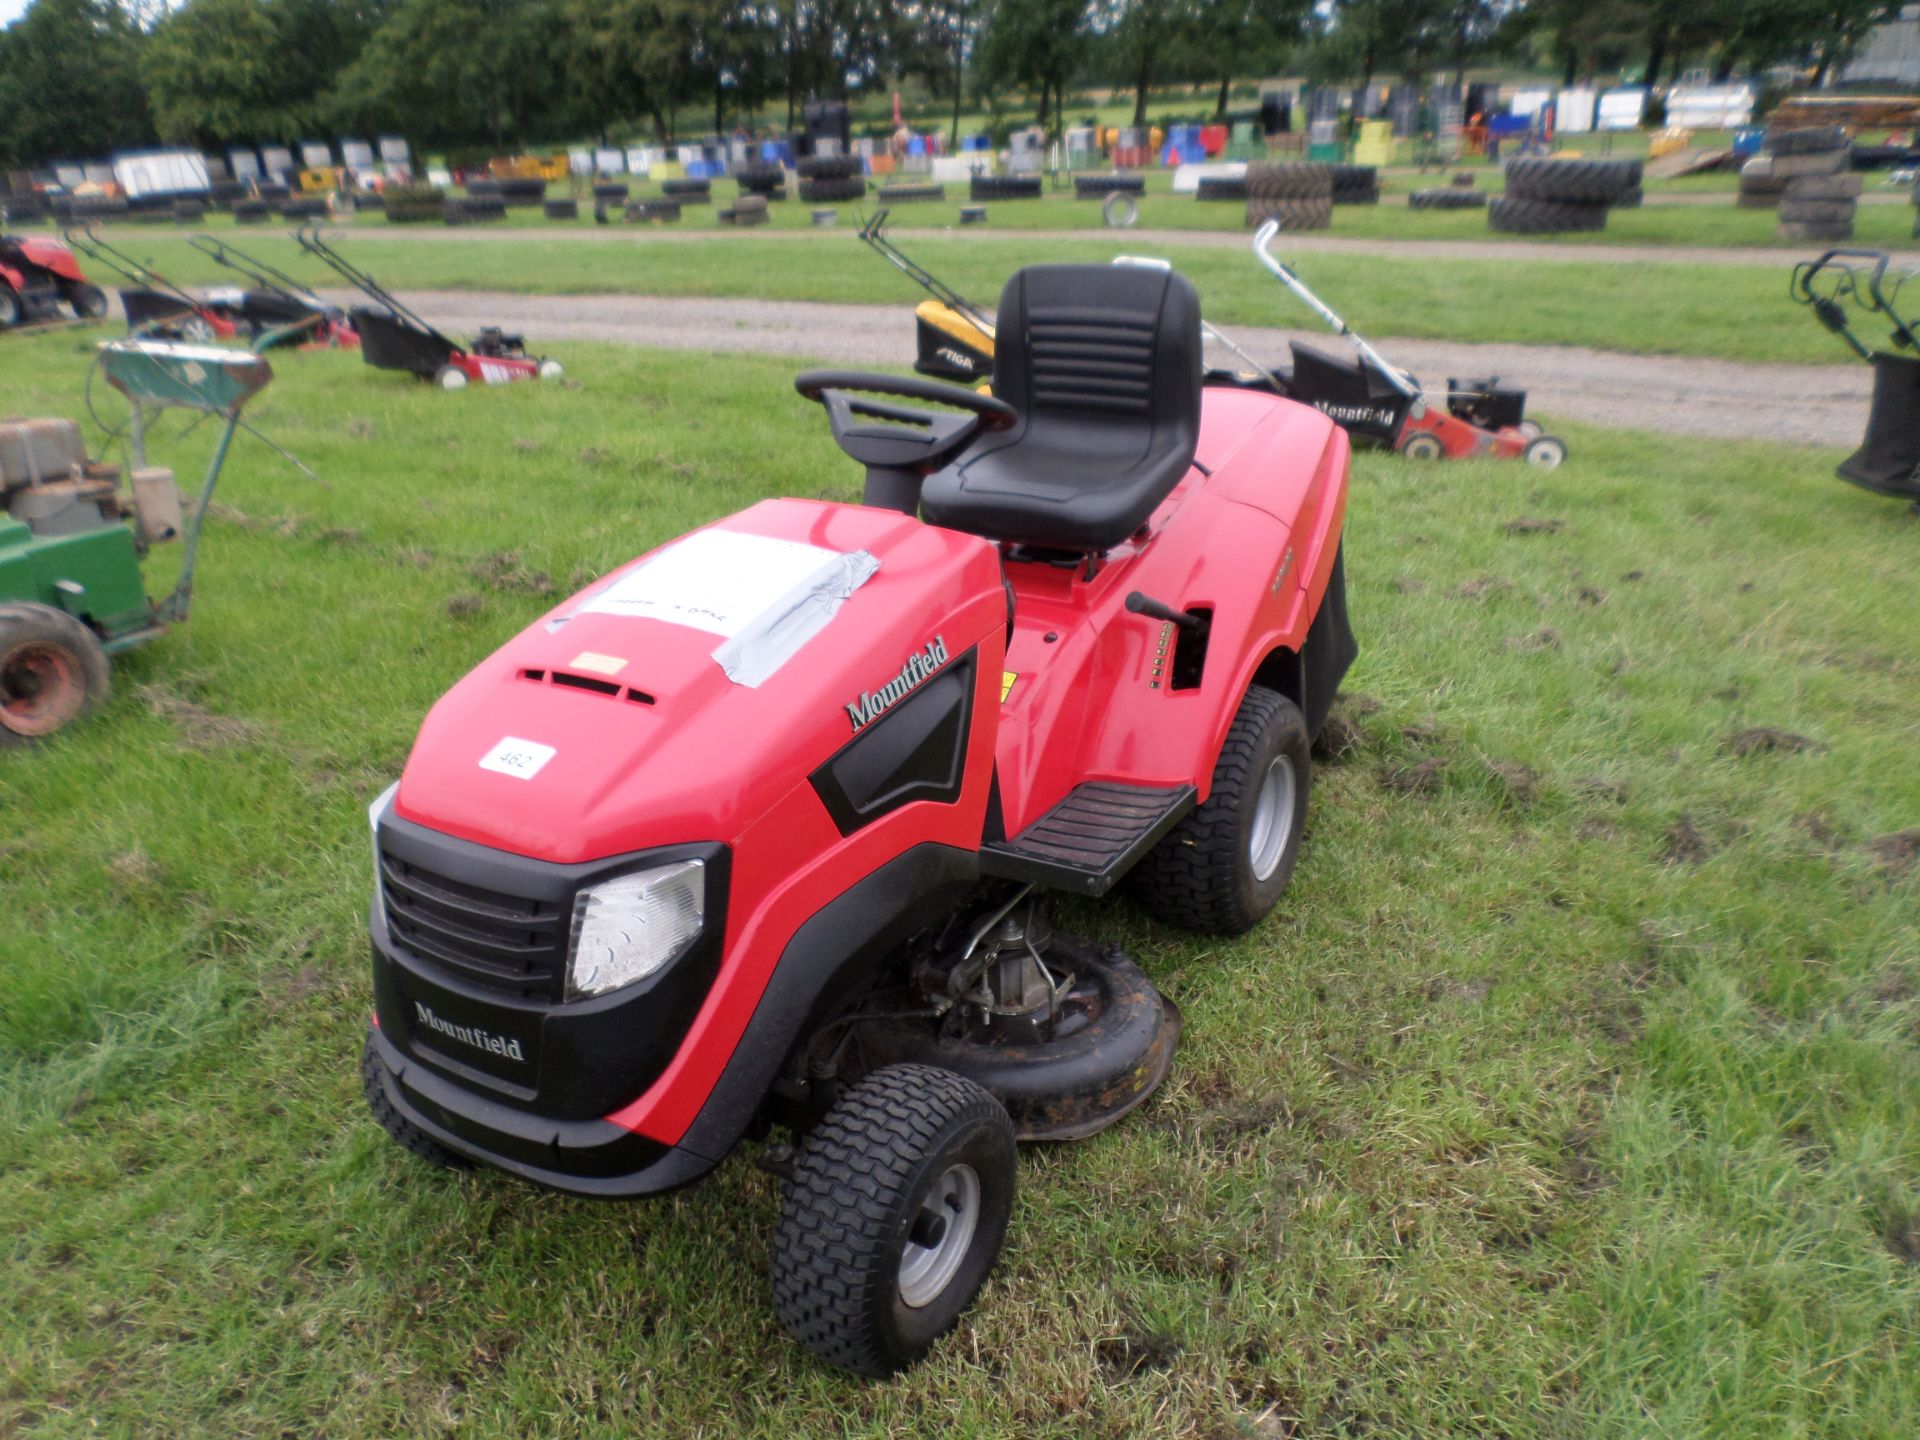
pixel 325 178
pixel 555 167
pixel 667 170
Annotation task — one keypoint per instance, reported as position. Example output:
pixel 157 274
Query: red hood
pixel 701 756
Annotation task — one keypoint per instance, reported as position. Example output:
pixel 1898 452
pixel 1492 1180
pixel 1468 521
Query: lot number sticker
pixel 521 759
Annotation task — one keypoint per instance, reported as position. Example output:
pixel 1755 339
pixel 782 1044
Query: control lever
pixel 1141 604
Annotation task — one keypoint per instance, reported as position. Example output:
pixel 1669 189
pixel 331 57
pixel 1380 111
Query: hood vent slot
pixel 612 689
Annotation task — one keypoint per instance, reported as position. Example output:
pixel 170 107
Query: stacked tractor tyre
pixel 1298 194
pixel 409 204
pixel 1097 187
pixel 1453 197
pixel 905 192
pixel 473 209
pixel 1222 187
pixel 688 191
pixel 1004 187
pixel 1817 187
pixel 761 177
pixel 1355 185
pixel 825 179
pixel 1550 196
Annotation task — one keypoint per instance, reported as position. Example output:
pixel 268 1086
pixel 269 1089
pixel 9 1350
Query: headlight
pixel 374 812
pixel 626 929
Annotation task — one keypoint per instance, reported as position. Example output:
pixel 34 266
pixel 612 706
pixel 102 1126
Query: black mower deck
pixel 1090 839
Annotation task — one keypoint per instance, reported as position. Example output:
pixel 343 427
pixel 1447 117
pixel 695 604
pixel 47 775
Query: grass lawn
pixel 1575 1090
pixel 1732 312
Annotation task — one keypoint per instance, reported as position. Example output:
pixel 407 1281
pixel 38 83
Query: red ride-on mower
pixel 38 276
pixel 759 829
pixel 392 337
pixel 1380 402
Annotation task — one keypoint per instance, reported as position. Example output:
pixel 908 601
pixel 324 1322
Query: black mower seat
pixel 1103 364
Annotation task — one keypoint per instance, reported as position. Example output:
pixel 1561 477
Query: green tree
pixel 70 83
pixel 1039 44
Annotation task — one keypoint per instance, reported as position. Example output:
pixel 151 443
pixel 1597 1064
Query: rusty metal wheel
pixel 52 670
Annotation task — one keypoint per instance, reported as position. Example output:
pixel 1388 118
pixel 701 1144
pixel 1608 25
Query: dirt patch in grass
pixel 1818 828
pixel 1545 638
pixel 1407 585
pixel 1765 739
pixel 463 606
pixel 344 535
pixel 1687 843
pixel 1127 1354
pixel 134 871
pixel 508 571
pixel 200 728
pixel 1522 782
pixel 1592 595
pixel 418 559
pixel 1535 525
pixel 1598 787
pixel 1898 852
pixel 1416 777
pixel 1481 585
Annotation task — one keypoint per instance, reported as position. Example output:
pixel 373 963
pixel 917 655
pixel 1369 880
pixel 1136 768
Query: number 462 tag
pixel 521 759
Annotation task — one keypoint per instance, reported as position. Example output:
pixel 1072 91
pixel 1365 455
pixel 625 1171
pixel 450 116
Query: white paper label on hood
pixel 718 581
pixel 521 759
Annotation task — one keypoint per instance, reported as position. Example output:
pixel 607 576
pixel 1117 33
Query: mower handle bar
pixel 1263 248
pixel 1847 285
pixel 255 270
pixel 309 240
pixel 873 233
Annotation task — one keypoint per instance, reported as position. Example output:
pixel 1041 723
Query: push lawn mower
pixel 954 336
pixel 70 584
pixel 759 828
pixel 1383 403
pixel 155 306
pixel 392 337
pixel 37 277
pixel 275 308
pixel 1888 460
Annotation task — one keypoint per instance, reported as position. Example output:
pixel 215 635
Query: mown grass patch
pixel 1734 312
pixel 1573 1091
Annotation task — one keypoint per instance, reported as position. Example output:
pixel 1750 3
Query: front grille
pixel 503 943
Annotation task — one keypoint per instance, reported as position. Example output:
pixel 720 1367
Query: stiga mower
pixel 70 585
pixel 954 337
pixel 1888 460
pixel 392 337
pixel 760 828
pixel 275 309
pixel 37 277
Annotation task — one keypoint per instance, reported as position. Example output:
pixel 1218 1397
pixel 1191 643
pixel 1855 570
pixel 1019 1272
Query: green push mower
pixel 71 591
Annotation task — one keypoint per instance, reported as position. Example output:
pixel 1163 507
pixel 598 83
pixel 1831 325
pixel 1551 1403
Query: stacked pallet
pixel 1817 192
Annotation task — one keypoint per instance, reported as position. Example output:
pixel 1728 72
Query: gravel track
pixel 1681 395
pixel 1307 243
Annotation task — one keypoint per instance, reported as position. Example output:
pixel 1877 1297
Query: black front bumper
pixel 582 1157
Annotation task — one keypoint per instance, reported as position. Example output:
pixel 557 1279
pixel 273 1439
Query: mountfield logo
pixel 470 1035
pixel 920 667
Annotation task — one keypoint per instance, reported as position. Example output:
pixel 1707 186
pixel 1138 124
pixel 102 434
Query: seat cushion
pixel 1103 364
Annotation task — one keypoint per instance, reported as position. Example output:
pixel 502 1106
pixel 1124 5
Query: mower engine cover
pixel 604 840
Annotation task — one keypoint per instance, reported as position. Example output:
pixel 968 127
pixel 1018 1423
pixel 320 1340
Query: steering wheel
pixel 910 438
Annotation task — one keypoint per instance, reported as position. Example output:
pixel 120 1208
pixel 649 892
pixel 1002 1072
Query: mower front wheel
pixel 893 1216
pixel 1545 452
pixel 1422 445
pixel 551 370
pixel 89 302
pixel 52 671
pixel 1224 867
pixel 450 377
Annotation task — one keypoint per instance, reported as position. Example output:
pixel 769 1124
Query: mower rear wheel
pixel 551 369
pixel 1422 445
pixel 1545 452
pixel 11 311
pixel 409 1136
pixel 449 377
pixel 1228 863
pixel 893 1216
pixel 52 671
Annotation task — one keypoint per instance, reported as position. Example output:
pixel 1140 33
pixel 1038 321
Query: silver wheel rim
pixel 953 1206
pixel 1272 818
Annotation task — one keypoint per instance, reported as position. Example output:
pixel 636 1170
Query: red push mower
pixel 392 337
pixel 39 275
pixel 154 306
pixel 1382 403
pixel 759 829
pixel 273 303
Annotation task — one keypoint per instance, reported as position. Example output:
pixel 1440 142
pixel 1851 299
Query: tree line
pixel 83 77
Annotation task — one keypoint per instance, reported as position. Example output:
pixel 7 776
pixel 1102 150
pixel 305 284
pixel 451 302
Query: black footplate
pixel 1090 839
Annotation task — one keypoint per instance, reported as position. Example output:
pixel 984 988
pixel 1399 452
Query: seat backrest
pixel 1105 356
